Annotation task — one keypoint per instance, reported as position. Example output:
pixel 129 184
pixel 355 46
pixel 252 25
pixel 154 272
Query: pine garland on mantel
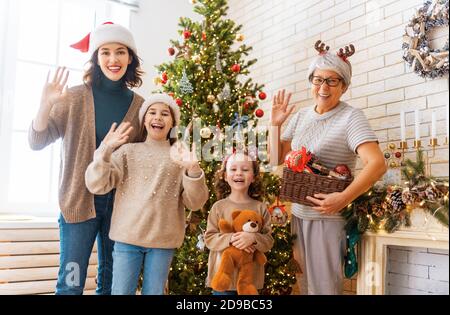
pixel 388 208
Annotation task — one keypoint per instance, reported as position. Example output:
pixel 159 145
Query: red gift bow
pixel 303 163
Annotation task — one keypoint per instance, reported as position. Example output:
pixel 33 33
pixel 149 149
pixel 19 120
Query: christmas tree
pixel 207 78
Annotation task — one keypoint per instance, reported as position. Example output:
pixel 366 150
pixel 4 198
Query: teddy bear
pixel 237 259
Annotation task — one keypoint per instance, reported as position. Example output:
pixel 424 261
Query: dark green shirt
pixel 111 101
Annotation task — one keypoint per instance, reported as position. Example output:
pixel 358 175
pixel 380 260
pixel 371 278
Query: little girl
pixel 154 180
pixel 238 185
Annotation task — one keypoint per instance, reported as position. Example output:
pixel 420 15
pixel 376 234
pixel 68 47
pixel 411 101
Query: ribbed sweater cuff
pixel 103 152
pixel 36 137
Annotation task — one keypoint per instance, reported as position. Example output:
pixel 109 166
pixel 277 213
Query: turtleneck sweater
pixel 112 99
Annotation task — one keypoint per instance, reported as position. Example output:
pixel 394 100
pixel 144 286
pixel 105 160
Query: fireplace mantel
pixel 425 232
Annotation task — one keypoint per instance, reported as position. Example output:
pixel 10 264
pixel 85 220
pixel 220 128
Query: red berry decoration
pixel 204 36
pixel 262 96
pixel 236 68
pixel 187 34
pixel 171 51
pixel 171 94
pixel 259 113
pixel 179 102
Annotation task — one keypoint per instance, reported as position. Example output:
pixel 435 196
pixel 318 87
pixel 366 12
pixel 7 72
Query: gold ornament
pixel 157 80
pixel 392 146
pixel 393 164
pixel 196 59
pixel 240 37
pixel 211 99
pixel 205 133
pixel 409 208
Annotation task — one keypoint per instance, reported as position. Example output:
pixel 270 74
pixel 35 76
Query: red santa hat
pixel 106 33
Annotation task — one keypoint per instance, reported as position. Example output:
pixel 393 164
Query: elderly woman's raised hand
pixel 280 109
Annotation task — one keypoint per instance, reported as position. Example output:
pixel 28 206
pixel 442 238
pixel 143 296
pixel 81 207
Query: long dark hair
pixel 131 79
pixel 223 189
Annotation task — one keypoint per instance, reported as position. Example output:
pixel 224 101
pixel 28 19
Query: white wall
pixel 154 26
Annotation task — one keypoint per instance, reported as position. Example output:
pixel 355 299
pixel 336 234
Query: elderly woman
pixel 336 133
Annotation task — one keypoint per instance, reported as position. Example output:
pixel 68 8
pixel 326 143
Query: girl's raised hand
pixel 181 155
pixel 56 90
pixel 117 137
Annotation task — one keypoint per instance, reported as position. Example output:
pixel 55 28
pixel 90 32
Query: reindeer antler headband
pixel 343 53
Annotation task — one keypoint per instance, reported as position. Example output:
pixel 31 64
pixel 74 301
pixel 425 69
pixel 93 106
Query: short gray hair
pixel 332 62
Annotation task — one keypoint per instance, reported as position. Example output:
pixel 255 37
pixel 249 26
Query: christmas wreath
pixel 425 61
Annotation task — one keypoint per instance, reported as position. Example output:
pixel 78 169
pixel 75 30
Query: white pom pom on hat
pixel 160 98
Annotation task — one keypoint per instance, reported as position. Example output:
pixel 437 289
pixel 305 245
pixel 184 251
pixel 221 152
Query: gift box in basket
pixel 304 175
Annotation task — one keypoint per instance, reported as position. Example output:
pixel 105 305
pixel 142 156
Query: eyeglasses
pixel 333 82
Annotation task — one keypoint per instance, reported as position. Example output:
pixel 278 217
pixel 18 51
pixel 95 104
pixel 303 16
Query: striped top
pixel 333 137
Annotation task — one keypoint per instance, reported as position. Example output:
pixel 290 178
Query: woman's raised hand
pixel 117 137
pixel 56 90
pixel 280 110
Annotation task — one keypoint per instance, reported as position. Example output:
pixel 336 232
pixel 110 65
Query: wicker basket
pixel 297 186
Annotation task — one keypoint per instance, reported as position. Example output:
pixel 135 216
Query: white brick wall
pixel 417 271
pixel 283 32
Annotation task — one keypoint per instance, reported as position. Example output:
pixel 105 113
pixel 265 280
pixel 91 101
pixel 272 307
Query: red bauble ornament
pixel 164 76
pixel 236 68
pixel 343 169
pixel 187 34
pixel 398 155
pixel 179 102
pixel 204 36
pixel 259 113
pixel 262 96
pixel 171 51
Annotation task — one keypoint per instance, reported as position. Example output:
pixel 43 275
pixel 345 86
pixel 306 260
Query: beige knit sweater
pixel 151 196
pixel 218 242
pixel 74 122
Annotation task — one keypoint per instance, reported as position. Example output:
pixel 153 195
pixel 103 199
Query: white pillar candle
pixel 433 125
pixel 417 124
pixel 402 126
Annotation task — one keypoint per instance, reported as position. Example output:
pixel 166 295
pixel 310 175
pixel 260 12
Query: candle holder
pixel 429 156
pixel 403 146
pixel 417 144
pixel 433 144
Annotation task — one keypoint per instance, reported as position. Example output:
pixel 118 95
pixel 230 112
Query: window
pixel 37 36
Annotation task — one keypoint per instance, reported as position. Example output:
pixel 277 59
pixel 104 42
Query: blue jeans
pixel 76 243
pixel 129 260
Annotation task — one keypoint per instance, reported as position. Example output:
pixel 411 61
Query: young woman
pixel 82 116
